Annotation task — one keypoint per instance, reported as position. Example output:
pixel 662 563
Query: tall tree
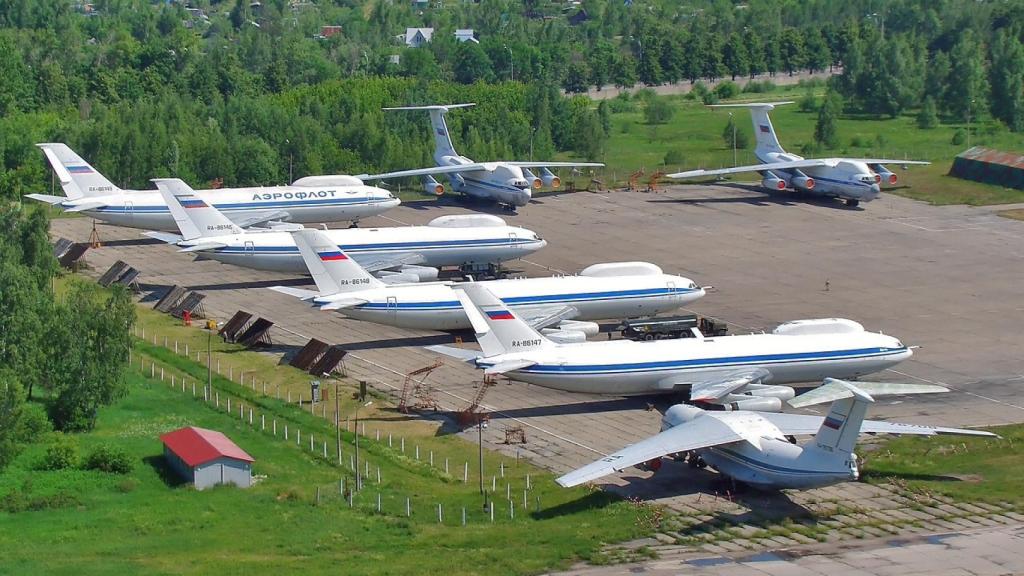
pixel 967 96
pixel 794 56
pixel 1006 77
pixel 826 130
pixel 735 57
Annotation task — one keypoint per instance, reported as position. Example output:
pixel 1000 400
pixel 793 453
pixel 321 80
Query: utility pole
pixel 969 106
pixel 732 121
pixel 337 418
pixel 511 64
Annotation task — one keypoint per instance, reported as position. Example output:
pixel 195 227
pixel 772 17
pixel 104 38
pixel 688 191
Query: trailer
pixel 665 327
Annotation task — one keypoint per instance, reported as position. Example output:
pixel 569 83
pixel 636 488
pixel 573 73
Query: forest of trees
pixel 249 94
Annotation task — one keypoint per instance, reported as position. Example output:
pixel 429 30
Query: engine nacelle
pixel 549 179
pixel 587 328
pixel 884 175
pixel 818 326
pixel 564 336
pixel 614 269
pixel 389 277
pixel 328 180
pixel 773 183
pixel 422 273
pixel 532 178
pixel 679 414
pixel 466 221
pixel 758 404
pixel 768 391
pixel 802 182
pixel 432 186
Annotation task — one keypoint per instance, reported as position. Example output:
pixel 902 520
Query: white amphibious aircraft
pixel 756 448
pixel 853 180
pixel 507 183
pixel 802 351
pixel 311 199
pixel 471 240
pixel 559 306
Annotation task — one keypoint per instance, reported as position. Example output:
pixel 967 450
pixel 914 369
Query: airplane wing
pixel 253 219
pixel 889 161
pixel 544 316
pixel 470 167
pixel 299 293
pixel 697 433
pixel 460 353
pixel 811 163
pixel 714 390
pixel 47 198
pixel 376 263
pixel 806 424
pixel 832 390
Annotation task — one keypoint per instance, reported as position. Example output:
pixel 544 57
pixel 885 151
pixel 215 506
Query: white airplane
pixel 312 199
pixel 757 448
pixel 560 307
pixel 474 241
pixel 729 371
pixel 507 183
pixel 853 180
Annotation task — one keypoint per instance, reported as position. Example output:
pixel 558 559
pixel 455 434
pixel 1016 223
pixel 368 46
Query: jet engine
pixel 422 273
pixel 803 182
pixel 532 178
pixel 549 179
pixel 564 336
pixel 760 404
pixel 587 328
pixel 773 183
pixel 391 277
pixel 884 175
pixel 432 187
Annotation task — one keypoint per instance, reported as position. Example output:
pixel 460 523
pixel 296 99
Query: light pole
pixel 532 132
pixel 969 106
pixel 731 121
pixel 359 479
pixel 511 64
pixel 289 144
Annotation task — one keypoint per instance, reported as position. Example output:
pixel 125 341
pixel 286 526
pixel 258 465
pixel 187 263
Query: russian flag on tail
pixel 79 169
pixel 331 256
pixel 833 423
pixel 192 203
pixel 500 315
pixel 764 128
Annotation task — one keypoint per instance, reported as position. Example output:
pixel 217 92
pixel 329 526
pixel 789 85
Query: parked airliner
pixel 802 351
pixel 560 307
pixel 471 240
pixel 853 180
pixel 312 199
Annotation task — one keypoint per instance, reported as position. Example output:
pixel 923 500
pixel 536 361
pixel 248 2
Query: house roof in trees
pixel 417 36
pixel 197 446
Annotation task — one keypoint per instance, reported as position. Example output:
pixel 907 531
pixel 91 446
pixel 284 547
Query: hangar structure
pixel 990 166
pixel 207 458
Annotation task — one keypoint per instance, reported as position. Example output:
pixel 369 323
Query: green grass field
pixel 695 134
pixel 963 468
pixel 141 523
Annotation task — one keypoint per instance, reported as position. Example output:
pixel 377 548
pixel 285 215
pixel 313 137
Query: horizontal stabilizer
pixel 833 389
pixel 47 198
pixel 262 218
pixel 84 206
pixel 459 353
pixel 432 107
pixel 167 237
pixel 510 366
pixel 204 246
pixel 760 105
pixel 299 293
pixel 343 303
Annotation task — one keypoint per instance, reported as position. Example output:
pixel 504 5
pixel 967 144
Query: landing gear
pixel 354 224
pixel 695 461
pixel 852 202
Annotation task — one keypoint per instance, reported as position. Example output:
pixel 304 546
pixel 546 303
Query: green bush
pixel 761 87
pixel 622 103
pixel 675 157
pixel 959 137
pixel 61 454
pixel 659 111
pixel 33 424
pixel 727 89
pixel 107 458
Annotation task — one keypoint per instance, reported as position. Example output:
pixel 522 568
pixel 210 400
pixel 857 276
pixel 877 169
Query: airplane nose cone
pixel 876 191
pixel 391 202
pixel 523 197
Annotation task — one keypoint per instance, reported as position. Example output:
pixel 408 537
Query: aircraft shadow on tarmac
pixel 760 197
pixel 589 407
pixel 295 282
pixel 132 242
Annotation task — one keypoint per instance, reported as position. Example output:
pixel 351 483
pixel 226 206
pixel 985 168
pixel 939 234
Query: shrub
pixel 659 111
pixel 107 458
pixel 33 424
pixel 675 157
pixel 808 102
pixel 858 142
pixel 622 103
pixel 727 89
pixel 959 137
pixel 756 87
pixel 61 454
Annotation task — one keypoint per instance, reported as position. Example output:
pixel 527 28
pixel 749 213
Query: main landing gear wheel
pixel 852 202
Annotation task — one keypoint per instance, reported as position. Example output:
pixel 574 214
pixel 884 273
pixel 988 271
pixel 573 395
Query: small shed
pixel 207 458
pixel 990 166
pixel 466 35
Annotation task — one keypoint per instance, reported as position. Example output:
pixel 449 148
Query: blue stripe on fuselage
pixel 390 246
pixel 528 300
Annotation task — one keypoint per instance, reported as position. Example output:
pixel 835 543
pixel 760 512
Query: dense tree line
pixel 68 351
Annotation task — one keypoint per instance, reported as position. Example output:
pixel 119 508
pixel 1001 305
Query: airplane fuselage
pixel 848 179
pixel 435 307
pixel 505 184
pixel 625 367
pixel 300 204
pixel 420 245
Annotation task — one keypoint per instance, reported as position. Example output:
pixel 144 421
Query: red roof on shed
pixel 197 446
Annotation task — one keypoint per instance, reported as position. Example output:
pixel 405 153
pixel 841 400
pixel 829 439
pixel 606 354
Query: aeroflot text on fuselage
pixel 294 195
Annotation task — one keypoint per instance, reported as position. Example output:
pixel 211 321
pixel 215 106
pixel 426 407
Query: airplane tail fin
pixel 194 217
pixel 442 140
pixel 764 132
pixel 839 431
pixel 499 330
pixel 77 177
pixel 332 270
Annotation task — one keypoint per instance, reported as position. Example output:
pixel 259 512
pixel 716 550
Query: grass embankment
pixel 963 468
pixel 695 133
pixel 142 522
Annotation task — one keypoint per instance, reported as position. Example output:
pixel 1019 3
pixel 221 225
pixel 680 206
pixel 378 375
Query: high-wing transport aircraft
pixel 412 253
pixel 508 183
pixel 561 307
pixel 309 200
pixel 853 180
pixel 759 449
pixel 736 372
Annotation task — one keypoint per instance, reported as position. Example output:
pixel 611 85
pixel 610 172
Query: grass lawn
pixel 142 523
pixel 963 468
